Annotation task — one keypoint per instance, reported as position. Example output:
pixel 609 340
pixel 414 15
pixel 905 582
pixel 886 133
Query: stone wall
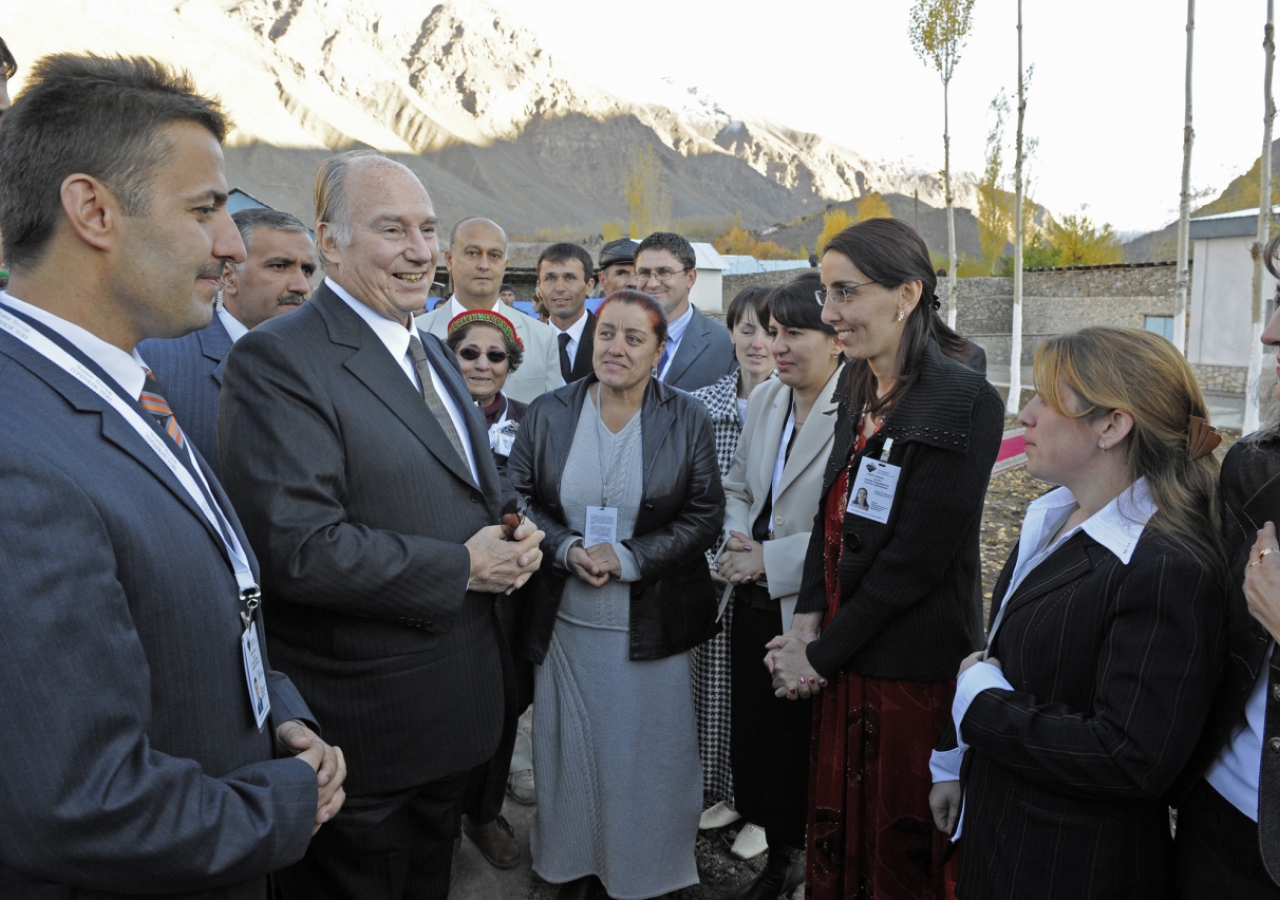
pixel 1221 379
pixel 734 283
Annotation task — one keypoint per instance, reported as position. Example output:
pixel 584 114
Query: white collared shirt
pixel 1234 773
pixel 675 334
pixel 125 368
pixel 395 337
pixel 1117 526
pixel 575 336
pixel 235 329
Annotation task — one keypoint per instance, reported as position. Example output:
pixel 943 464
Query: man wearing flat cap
pixel 617 269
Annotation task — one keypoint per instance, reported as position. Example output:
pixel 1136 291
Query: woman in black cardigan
pixel 1104 646
pixel 890 598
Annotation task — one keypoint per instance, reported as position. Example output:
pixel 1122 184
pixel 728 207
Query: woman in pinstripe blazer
pixel 1105 643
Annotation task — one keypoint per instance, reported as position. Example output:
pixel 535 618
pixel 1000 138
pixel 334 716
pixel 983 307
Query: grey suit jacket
pixel 132 761
pixel 358 506
pixel 704 356
pixel 189 372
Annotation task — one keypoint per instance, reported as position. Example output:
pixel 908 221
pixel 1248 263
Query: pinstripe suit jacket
pixel 358 507
pixel 132 762
pixel 189 372
pixel 1113 668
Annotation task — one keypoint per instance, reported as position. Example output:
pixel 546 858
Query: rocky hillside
pixel 465 98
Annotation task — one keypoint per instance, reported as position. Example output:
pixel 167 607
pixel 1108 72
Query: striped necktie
pixel 153 402
pixel 434 403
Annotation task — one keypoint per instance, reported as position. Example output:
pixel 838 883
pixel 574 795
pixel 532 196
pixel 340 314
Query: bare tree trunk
pixel 1184 208
pixel 951 208
pixel 1014 399
pixel 1252 413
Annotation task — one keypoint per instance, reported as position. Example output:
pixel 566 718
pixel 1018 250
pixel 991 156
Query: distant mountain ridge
pixel 467 99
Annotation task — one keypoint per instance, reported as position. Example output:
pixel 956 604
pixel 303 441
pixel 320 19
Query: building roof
pixel 708 257
pixel 749 265
pixel 1240 223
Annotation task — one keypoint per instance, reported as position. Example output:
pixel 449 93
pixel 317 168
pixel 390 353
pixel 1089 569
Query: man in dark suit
pixel 352 449
pixel 564 280
pixel 274 278
pixel 699 351
pixel 150 748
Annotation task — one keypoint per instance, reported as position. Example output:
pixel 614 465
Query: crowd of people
pixel 301 582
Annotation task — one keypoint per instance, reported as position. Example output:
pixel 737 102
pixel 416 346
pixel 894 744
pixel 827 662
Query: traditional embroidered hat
pixel 485 317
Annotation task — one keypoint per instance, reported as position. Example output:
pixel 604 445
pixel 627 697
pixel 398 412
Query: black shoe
pixel 581 889
pixel 783 872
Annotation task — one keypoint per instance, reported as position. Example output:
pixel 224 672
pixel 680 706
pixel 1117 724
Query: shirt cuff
pixel 630 568
pixel 944 765
pixel 976 679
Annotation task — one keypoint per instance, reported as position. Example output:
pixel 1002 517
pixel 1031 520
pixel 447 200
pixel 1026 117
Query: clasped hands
pixel 742 560
pixel 499 565
pixel 595 564
pixel 945 796
pixel 326 761
pixel 787 661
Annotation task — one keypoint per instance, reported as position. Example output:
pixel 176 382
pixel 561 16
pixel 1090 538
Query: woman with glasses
pixel 890 596
pixel 771 493
pixel 620 471
pixel 726 401
pixel 489 350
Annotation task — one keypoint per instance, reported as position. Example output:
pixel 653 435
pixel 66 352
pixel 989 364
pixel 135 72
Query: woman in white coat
pixel 771 496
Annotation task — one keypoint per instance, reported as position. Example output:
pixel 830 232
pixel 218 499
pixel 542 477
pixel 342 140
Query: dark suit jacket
pixel 673 605
pixel 582 366
pixel 358 507
pixel 132 761
pixel 705 355
pixel 1113 668
pixel 189 372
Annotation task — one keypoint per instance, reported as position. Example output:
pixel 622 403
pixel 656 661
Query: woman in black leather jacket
pixel 622 476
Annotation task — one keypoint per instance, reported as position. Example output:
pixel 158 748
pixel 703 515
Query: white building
pixel 707 289
pixel 1222 291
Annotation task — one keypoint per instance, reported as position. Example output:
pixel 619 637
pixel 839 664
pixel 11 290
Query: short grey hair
pixel 331 201
pixel 453 234
pixel 250 220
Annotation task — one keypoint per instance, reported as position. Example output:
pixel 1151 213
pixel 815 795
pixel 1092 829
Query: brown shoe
pixel 496 841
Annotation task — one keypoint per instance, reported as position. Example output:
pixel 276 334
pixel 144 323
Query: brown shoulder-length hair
pixel 892 253
pixel 1089 373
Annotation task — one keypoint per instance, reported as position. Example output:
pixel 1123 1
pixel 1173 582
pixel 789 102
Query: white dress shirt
pixel 396 339
pixel 1234 774
pixel 1117 526
pixel 125 368
pixel 575 336
pixel 675 334
pixel 235 329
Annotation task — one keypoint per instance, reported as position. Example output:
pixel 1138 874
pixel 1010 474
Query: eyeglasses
pixel 841 294
pixel 471 354
pixel 663 275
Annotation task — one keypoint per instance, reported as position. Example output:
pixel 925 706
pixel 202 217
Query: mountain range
pixel 471 102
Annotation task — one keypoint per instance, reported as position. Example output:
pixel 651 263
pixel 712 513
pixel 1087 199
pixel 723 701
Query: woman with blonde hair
pixel 1105 639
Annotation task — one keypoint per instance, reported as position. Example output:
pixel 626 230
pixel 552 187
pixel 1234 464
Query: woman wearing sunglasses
pixel 488 350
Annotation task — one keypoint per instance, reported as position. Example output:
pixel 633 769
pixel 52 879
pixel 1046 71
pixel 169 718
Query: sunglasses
pixel 471 354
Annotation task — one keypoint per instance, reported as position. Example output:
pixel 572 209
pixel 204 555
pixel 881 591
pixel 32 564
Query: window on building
pixel 1162 325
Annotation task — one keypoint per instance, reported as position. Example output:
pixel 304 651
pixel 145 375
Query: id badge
pixel 255 675
pixel 872 494
pixel 602 525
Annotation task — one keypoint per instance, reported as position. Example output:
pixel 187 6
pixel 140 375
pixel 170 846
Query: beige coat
pixel 540 370
pixel 750 479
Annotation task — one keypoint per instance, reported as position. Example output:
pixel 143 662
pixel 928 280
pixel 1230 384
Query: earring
pixel 1103 447
pixel 901 315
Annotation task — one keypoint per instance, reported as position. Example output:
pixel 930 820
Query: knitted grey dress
pixel 615 744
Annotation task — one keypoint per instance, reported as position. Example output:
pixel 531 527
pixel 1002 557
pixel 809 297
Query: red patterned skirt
pixel 871 834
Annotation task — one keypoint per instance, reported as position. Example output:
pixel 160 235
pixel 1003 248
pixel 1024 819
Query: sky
pixel 1106 99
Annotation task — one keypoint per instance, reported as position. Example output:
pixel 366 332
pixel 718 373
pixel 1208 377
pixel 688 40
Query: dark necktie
pixel 434 403
pixel 153 402
pixel 566 369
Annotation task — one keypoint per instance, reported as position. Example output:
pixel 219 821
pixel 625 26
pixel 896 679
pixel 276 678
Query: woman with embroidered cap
pixel 726 401
pixel 488 350
pixel 620 472
pixel 1105 640
pixel 1228 845
pixel 890 596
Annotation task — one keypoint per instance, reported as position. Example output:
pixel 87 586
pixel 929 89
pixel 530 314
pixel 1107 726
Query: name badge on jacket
pixel 873 490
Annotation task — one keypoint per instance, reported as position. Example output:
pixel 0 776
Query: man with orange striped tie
pixel 150 748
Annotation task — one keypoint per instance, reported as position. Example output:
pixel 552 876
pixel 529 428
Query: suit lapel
pixel 582 362
pixel 1073 560
pixel 372 365
pixel 215 344
pixel 656 421
pixel 811 441
pixel 477 434
pixel 695 340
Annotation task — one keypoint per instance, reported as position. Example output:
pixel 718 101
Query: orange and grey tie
pixel 153 402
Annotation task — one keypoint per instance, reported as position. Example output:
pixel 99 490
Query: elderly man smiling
pixel 350 444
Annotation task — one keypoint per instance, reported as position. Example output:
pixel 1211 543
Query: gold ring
pixel 1252 564
pixel 1264 552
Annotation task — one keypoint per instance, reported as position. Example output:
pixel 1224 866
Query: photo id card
pixel 602 526
pixel 872 494
pixel 255 675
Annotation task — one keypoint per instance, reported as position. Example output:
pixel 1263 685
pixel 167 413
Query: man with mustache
pixel 274 279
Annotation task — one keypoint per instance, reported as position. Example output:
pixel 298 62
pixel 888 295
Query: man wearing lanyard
pixel 151 748
pixel 699 351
